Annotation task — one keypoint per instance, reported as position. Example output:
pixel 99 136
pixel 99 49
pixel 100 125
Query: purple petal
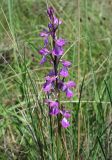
pixel 44 33
pixel 57 21
pixel 70 84
pixel 51 73
pixel 69 93
pixel 60 42
pixel 54 104
pixel 57 51
pixel 64 72
pixel 64 87
pixel 50 12
pixel 44 51
pixel 43 60
pixel 65 123
pixel 54 111
pixel 66 63
pixel 47 87
pixel 46 42
pixel 51 79
pixel 50 25
pixel 51 103
pixel 66 114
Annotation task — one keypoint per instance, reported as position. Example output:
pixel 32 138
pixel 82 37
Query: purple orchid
pixel 69 93
pixel 64 72
pixel 50 12
pixel 60 42
pixel 54 111
pixel 45 34
pixel 47 87
pixel 57 21
pixel 55 81
pixel 44 51
pixel 53 106
pixel 65 113
pixel 66 88
pixel 50 78
pixel 70 84
pixel 52 17
pixel 52 103
pixel 65 123
pixel 57 51
pixel 66 63
pixel 43 60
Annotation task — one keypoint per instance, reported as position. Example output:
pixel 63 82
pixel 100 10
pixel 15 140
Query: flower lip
pixel 54 104
pixel 54 111
pixel 64 87
pixel 64 72
pixel 51 103
pixel 70 84
pixel 47 87
pixel 65 123
pixel 65 113
pixel 66 63
pixel 69 93
pixel 43 60
pixel 44 51
pixel 51 78
pixel 57 21
pixel 57 51
pixel 44 33
pixel 60 42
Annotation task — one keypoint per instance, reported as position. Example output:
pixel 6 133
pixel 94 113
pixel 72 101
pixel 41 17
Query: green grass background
pixel 87 25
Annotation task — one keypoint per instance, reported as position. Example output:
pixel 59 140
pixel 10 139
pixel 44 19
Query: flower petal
pixel 70 84
pixel 57 21
pixel 65 123
pixel 46 42
pixel 64 72
pixel 47 87
pixel 64 87
pixel 57 51
pixel 54 104
pixel 44 33
pixel 50 12
pixel 51 73
pixel 66 63
pixel 60 42
pixel 43 60
pixel 44 51
pixel 65 113
pixel 69 93
pixel 50 78
pixel 54 111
